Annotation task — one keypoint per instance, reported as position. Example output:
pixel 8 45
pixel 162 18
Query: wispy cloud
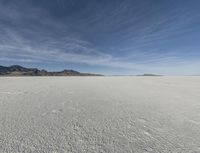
pixel 130 35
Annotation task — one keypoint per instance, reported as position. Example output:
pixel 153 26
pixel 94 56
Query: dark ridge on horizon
pixel 138 75
pixel 150 75
pixel 17 70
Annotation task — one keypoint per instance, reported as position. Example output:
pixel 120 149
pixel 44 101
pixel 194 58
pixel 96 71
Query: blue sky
pixel 102 36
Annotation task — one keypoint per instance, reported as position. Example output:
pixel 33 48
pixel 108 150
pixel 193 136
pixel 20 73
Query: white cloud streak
pixel 55 41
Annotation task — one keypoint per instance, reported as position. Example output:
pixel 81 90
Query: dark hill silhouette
pixel 17 70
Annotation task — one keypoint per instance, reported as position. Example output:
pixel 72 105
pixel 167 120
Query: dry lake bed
pixel 100 114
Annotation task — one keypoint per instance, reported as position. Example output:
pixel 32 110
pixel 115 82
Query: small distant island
pixel 149 75
pixel 17 70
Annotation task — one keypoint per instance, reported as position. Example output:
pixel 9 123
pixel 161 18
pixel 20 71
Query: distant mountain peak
pixel 17 70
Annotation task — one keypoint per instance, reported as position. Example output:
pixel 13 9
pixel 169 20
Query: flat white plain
pixel 100 114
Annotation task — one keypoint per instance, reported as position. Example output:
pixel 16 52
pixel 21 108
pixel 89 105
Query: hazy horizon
pixel 112 37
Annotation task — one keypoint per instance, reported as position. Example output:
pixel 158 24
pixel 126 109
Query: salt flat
pixel 100 114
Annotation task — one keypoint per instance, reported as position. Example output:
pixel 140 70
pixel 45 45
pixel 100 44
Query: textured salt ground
pixel 100 114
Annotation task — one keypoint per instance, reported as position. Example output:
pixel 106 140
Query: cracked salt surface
pixel 11 93
pixel 100 114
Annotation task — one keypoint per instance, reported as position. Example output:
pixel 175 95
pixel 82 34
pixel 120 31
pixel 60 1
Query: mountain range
pixel 17 70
